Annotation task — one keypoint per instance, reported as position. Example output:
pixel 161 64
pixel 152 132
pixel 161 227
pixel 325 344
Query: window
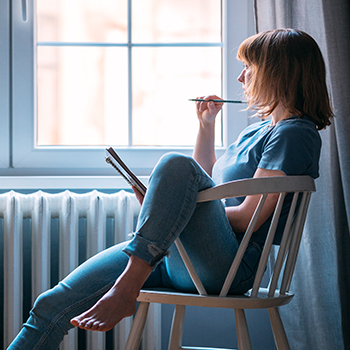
pixel 89 74
pixel 112 74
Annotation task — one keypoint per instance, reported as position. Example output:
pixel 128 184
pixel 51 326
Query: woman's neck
pixel 278 114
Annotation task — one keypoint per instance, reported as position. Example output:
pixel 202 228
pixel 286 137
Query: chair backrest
pixel 302 187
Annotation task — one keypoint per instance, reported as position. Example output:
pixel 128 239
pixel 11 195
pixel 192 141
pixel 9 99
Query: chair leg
pixel 278 330
pixel 242 330
pixel 177 328
pixel 137 327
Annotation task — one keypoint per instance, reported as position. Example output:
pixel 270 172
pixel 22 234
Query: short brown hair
pixel 287 69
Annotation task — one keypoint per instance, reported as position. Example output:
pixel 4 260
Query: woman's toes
pixel 95 326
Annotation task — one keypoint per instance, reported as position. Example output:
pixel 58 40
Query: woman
pixel 284 79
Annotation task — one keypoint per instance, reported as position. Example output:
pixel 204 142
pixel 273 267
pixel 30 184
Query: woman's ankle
pixel 134 275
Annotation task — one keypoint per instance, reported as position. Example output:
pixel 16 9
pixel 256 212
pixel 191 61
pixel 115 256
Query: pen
pixel 222 101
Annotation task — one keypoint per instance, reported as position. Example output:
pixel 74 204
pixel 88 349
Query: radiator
pixel 50 234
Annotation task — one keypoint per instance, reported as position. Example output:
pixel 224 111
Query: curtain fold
pixel 319 315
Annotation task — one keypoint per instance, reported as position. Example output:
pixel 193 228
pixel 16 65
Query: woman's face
pixel 245 76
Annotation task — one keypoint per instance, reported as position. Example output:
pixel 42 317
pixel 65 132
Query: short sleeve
pixel 292 147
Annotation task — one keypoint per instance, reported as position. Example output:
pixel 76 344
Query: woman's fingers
pixel 202 106
pixel 138 194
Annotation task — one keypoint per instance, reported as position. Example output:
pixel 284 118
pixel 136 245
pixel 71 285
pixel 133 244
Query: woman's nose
pixel 241 76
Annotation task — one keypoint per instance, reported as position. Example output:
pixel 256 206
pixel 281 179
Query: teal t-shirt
pixel 293 146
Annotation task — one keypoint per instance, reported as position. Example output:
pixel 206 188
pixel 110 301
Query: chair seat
pixel 230 301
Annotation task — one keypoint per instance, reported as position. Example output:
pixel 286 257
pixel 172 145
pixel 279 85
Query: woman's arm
pixel 239 216
pixel 204 150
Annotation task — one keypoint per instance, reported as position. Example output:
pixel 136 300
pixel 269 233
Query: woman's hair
pixel 287 70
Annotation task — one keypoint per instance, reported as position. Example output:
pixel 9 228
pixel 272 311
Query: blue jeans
pixel 169 210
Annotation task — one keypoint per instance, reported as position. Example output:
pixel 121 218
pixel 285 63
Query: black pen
pixel 221 101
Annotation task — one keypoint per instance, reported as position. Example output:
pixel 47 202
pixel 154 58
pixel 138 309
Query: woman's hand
pixel 204 150
pixel 138 194
pixel 207 111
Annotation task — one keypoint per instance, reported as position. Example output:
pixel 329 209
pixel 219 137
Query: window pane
pixel 82 90
pixel 163 81
pixel 82 96
pixel 176 20
pixel 82 20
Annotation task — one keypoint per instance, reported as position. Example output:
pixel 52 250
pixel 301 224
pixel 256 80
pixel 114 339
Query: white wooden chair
pixel 258 297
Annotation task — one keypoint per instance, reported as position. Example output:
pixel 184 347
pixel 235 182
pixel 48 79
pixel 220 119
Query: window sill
pixel 65 182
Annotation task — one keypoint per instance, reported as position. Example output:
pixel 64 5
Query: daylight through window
pixel 113 72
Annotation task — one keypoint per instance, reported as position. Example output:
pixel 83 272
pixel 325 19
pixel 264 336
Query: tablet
pixel 113 159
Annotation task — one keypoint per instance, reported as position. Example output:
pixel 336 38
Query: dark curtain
pixel 319 315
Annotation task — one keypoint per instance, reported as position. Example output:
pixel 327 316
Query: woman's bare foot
pixel 118 302
pixel 108 311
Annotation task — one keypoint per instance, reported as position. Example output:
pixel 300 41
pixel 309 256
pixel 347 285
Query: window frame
pixel 21 157
pixel 5 130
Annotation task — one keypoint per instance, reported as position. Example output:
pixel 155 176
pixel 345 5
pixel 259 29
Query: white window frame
pixel 5 85
pixel 19 154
